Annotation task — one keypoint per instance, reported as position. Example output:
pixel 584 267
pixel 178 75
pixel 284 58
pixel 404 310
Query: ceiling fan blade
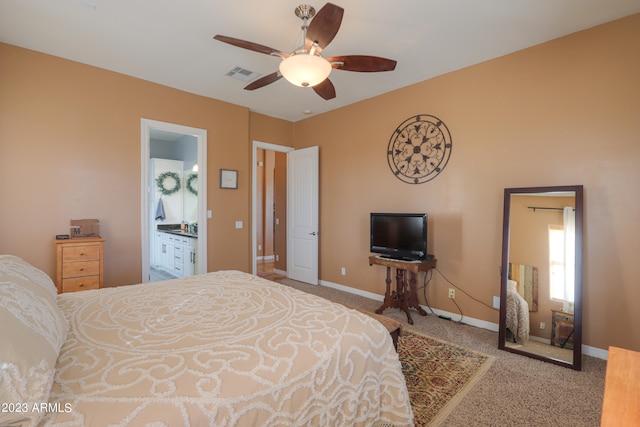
pixel 325 89
pixel 362 63
pixel 324 26
pixel 250 46
pixel 263 81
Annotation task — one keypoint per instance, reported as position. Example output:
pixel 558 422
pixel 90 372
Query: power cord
pixel 427 279
pixel 463 291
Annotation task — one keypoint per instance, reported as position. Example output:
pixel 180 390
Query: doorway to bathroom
pixel 174 188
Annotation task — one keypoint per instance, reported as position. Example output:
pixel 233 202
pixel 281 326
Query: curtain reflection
pixel 569 217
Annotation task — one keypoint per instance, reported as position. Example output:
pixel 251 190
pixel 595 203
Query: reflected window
pixel 561 281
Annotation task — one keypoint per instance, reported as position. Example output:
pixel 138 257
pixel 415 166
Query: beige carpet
pixel 544 349
pixel 516 390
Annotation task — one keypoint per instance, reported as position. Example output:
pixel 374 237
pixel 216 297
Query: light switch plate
pixel 238 224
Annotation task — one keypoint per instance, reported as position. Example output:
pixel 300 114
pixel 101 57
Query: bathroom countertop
pixel 180 233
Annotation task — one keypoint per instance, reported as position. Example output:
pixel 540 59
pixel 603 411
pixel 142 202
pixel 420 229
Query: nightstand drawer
pixel 80 269
pixel 80 283
pixel 81 253
pixel 79 264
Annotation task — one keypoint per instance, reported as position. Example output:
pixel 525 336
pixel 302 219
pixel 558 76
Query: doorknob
pixel 313 233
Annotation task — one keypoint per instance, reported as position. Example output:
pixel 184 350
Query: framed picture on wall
pixel 228 178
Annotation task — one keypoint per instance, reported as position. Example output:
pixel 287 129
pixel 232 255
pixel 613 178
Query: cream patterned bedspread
pixel 223 349
pixel 517 316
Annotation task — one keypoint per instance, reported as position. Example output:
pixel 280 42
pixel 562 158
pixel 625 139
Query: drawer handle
pixel 82 269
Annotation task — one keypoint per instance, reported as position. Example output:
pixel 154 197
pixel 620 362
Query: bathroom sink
pixel 181 233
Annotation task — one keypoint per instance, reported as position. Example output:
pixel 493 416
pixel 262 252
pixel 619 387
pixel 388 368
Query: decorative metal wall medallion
pixel 419 149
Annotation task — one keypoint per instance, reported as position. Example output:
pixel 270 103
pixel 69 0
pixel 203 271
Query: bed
pixel 219 349
pixel 517 314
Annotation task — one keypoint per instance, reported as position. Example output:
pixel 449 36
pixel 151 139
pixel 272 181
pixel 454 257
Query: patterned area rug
pixel 438 374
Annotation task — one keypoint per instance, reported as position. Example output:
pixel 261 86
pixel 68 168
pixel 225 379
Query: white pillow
pixel 32 332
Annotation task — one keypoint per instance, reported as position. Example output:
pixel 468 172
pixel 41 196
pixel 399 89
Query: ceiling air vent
pixel 242 74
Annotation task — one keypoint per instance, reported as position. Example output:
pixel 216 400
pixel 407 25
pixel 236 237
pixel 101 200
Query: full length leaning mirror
pixel 541 274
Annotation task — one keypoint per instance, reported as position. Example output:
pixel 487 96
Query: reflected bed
pixel 517 314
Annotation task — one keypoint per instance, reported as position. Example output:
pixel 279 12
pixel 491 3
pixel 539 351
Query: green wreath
pixel 160 183
pixel 192 177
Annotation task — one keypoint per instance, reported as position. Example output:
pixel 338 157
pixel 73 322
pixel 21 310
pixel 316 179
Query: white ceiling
pixel 170 42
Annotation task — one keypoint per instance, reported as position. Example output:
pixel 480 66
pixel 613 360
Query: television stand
pixel 405 296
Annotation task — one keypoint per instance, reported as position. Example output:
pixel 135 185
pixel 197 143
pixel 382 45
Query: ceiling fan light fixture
pixel 305 69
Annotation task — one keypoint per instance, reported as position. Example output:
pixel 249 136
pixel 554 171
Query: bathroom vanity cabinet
pixel 176 254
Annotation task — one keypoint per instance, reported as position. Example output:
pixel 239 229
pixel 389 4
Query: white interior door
pixel 302 215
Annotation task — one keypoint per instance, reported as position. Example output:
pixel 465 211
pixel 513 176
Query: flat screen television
pixel 400 236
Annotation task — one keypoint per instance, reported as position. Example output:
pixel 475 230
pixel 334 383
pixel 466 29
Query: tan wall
pixel 70 148
pixel 561 113
pixel 564 112
pixel 280 197
pixel 268 129
pixel 280 132
pixel 265 202
pixel 259 207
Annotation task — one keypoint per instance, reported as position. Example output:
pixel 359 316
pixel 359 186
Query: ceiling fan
pixel 305 66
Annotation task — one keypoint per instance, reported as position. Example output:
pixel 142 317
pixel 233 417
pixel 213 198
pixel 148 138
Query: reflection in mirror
pixel 190 196
pixel 541 289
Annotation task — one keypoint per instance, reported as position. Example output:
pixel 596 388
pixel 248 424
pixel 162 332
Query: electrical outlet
pixel 343 271
pixel 277 257
pixel 542 325
pixel 496 302
pixel 452 293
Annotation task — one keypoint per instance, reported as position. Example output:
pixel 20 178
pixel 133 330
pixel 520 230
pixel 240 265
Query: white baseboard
pixel 354 291
pixel 586 349
pixel 493 327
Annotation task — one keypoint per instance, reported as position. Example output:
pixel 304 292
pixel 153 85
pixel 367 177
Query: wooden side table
pixel 405 296
pixel 561 329
pixel 80 264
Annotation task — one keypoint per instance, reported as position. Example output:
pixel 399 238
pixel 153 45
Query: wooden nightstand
pixel 79 264
pixel 562 329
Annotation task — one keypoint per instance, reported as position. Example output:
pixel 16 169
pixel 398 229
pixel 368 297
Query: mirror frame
pixel 577 333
